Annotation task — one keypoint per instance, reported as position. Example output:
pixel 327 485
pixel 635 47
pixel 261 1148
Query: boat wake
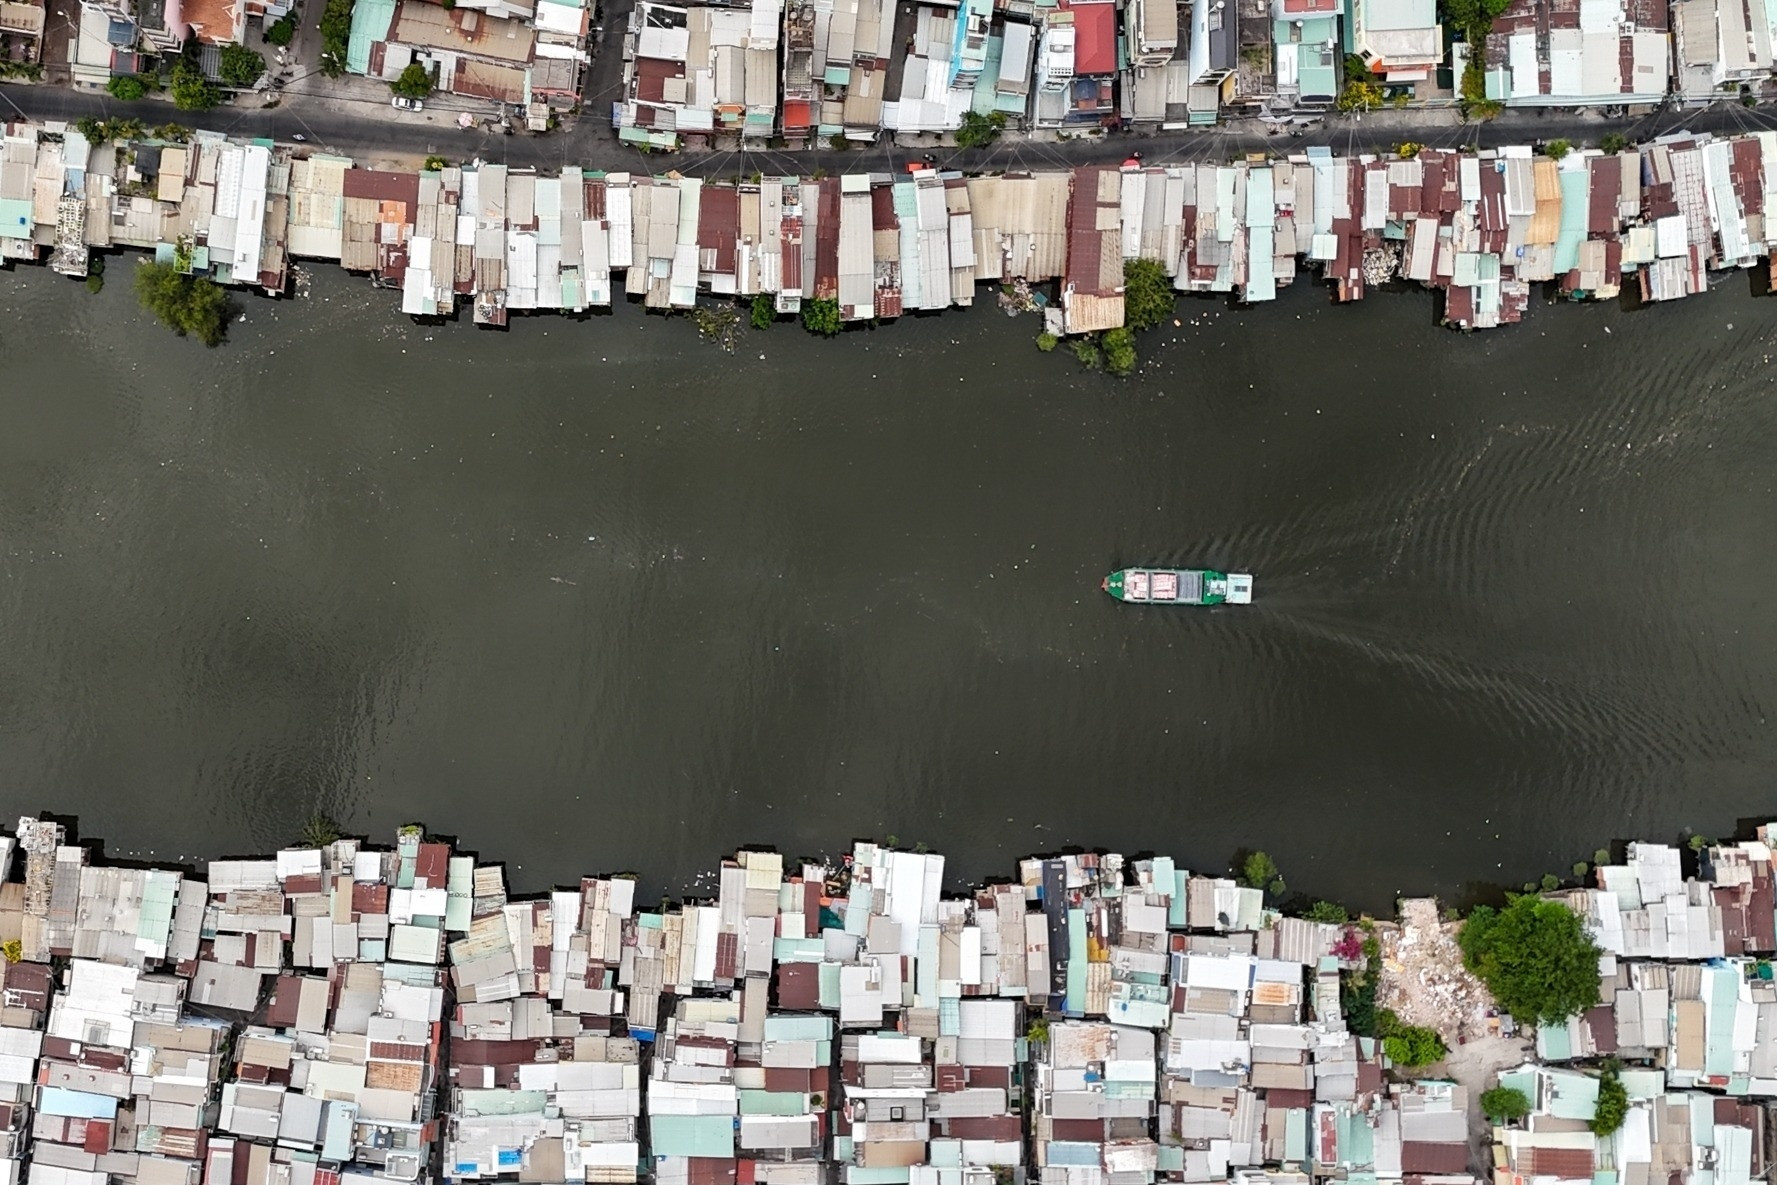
pixel 1522 696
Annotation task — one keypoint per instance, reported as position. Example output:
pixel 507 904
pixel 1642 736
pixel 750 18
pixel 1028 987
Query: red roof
pixel 1095 38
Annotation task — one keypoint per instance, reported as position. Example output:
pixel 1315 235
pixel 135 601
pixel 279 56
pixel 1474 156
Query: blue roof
pixel 76 1104
pixel 1068 1152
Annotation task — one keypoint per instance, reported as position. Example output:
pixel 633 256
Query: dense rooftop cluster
pixel 1480 228
pixel 348 1013
pixel 345 1012
pixel 1686 1024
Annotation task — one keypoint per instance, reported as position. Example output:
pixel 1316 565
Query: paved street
pixel 355 120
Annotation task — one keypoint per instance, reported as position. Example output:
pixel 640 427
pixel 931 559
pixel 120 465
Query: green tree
pixel 282 31
pixel 1086 350
pixel 1413 1045
pixel 436 164
pixel 1327 911
pixel 1119 351
pixel 1556 149
pixel 1360 95
pixel 1047 341
pixel 415 82
pixel 191 90
pixel 1473 18
pixel 1534 956
pixel 1503 1104
pixel 1612 142
pixel 127 88
pixel 1613 1102
pixel 821 316
pixel 1357 1000
pixel 241 67
pixel 1260 871
pixel 336 32
pixel 1148 298
pixel 319 831
pixel 764 310
pixel 188 305
pixel 978 131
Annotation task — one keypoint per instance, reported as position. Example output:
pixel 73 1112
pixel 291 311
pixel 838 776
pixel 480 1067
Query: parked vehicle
pixel 406 104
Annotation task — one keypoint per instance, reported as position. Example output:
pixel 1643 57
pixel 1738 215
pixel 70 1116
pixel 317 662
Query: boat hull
pixel 1179 586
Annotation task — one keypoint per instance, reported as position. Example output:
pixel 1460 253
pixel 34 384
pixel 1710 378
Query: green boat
pixel 1179 586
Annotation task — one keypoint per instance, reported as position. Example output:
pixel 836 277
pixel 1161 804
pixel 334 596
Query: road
pixel 366 130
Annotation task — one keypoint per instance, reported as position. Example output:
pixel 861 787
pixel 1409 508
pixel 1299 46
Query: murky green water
pixel 595 595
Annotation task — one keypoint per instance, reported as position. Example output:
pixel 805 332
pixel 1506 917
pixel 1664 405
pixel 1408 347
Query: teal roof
pixel 1175 909
pixel 504 1102
pixel 1576 192
pixel 1397 14
pixel 1640 1084
pixel 830 985
pixel 15 218
pixel 1571 1095
pixel 1721 987
pixel 1523 1081
pixel 945 1154
pixel 158 893
pixel 1357 1142
pixel 693 1135
pixel 1076 960
pixel 798 950
pixel 925 972
pixel 987 82
pixel 798 1028
pixel 1554 1043
pixel 1313 78
pixel 370 23
pixel 1295 1134
pixel 773 1102
pixel 459 887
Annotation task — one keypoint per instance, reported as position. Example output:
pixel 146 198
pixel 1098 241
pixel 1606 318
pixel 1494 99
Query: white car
pixel 406 104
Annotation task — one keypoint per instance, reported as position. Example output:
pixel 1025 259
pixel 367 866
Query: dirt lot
pixel 1424 983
